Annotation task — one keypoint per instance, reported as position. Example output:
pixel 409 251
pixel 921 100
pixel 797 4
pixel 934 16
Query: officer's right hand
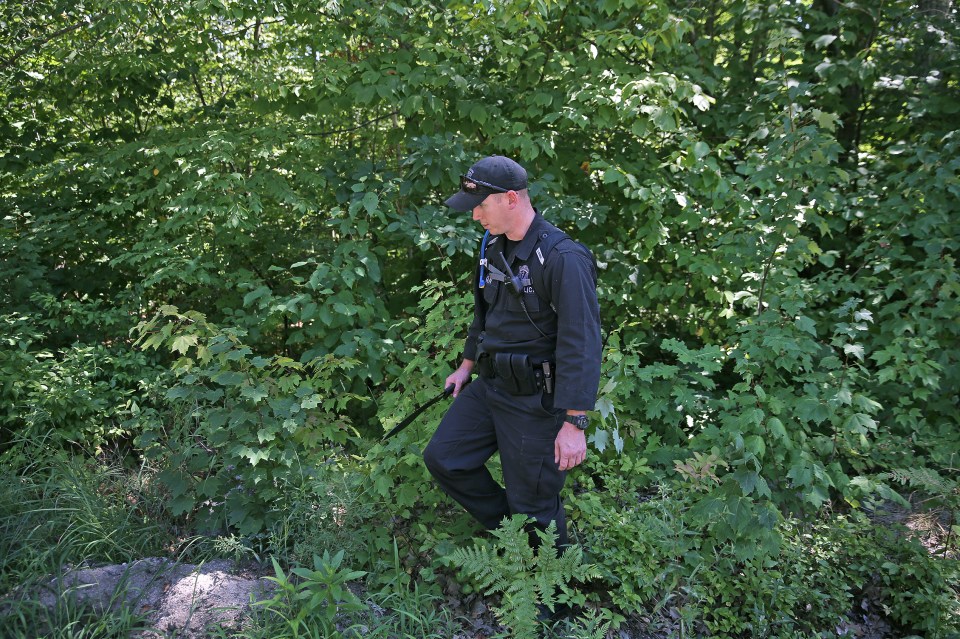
pixel 460 377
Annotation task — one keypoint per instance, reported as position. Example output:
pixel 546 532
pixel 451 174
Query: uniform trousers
pixel 483 419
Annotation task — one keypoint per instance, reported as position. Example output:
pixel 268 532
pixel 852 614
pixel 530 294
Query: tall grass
pixel 75 510
pixel 60 512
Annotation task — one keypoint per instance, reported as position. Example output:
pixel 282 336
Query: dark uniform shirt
pixel 566 311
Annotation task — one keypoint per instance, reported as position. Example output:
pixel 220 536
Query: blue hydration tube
pixel 483 259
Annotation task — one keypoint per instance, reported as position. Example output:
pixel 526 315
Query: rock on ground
pixel 177 600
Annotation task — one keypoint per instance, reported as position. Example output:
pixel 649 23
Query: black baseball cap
pixel 494 174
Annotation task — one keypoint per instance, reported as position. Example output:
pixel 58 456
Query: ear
pixel 512 198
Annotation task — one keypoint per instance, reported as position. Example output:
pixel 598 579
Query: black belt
pixel 516 373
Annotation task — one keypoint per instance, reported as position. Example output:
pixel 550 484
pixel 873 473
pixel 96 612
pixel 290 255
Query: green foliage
pixel 654 558
pixel 509 566
pixel 396 476
pixel 406 611
pixel 330 510
pixel 69 620
pixel 77 395
pixel 413 614
pixel 939 496
pixel 769 191
pixel 60 512
pixel 640 549
pixel 592 626
pixel 312 603
pixel 890 567
pixel 926 479
pixel 63 510
pixel 733 499
pixel 247 427
pixel 430 351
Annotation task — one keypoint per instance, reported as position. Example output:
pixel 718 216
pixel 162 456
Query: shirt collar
pixel 525 248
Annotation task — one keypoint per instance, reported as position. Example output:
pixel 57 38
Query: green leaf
pixel 824 41
pixel 600 438
pixel 253 393
pixel 756 445
pixel 776 428
pixel 854 349
pixel 255 295
pixel 812 410
pixel 229 378
pixel 747 480
pixel 182 505
pixel 255 456
pixel 618 441
pixel 371 202
pixel 806 325
pixel 179 392
pixel 182 343
pixel 478 114
pixel 860 423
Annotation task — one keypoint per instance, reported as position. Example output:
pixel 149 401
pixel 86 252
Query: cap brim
pixel 461 201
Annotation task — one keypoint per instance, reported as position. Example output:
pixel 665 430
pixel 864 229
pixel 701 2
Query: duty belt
pixel 516 373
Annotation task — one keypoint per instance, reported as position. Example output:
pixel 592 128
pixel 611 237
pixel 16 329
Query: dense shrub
pixel 769 190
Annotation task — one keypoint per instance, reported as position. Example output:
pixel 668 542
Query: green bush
pixel 331 510
pixel 309 601
pixel 396 475
pixel 77 396
pixel 244 430
pixel 653 557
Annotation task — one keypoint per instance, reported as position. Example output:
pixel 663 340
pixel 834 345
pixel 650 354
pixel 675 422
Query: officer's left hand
pixel 570 448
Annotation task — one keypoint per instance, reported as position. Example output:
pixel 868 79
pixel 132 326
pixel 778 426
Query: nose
pixel 476 214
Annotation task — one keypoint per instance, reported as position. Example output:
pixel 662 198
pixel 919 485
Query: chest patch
pixel 525 275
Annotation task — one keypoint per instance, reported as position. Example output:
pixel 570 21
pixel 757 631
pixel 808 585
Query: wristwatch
pixel 580 421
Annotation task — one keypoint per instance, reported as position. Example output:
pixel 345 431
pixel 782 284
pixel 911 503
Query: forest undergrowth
pixel 228 271
pixel 885 570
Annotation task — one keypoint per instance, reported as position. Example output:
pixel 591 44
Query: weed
pixel 312 603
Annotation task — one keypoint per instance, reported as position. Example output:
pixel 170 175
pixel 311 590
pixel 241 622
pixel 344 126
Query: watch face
pixel 580 421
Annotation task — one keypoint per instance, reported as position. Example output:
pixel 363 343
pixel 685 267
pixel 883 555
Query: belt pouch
pixel 485 365
pixel 515 373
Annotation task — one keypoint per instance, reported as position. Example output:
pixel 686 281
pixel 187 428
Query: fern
pixel 509 566
pixel 594 626
pixel 925 479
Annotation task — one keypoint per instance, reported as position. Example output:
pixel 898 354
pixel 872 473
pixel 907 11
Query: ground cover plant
pixel 228 272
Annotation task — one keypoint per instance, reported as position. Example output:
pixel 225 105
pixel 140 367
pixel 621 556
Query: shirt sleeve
pixel 572 278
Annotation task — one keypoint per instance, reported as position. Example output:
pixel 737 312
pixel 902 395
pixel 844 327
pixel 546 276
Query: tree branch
pixel 196 84
pixel 352 128
pixel 763 280
pixel 258 24
pixel 9 62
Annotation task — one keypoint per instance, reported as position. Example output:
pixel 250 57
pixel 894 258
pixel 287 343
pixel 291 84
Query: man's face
pixel 494 214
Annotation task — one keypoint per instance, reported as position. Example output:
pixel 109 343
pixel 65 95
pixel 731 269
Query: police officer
pixel 535 345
